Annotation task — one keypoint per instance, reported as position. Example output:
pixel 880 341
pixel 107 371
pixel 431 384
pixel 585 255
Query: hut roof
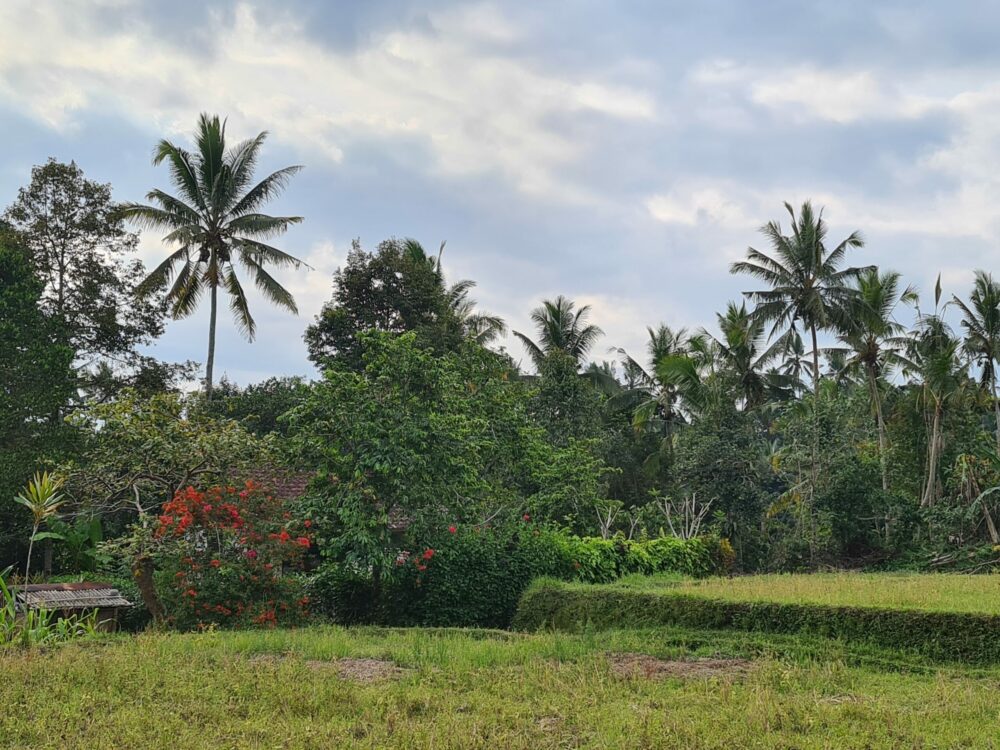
pixel 70 596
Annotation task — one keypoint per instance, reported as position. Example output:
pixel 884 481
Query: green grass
pixel 927 592
pixel 484 689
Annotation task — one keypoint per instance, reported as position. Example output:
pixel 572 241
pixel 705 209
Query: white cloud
pixel 690 205
pixel 478 111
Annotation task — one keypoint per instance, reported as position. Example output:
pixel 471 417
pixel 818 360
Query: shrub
pixel 951 636
pixel 224 558
pixel 475 575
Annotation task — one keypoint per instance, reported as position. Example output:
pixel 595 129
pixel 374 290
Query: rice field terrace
pixel 927 592
pixel 328 687
pixel 947 618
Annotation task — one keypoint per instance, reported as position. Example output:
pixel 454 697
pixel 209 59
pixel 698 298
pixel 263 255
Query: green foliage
pixel 474 575
pixel 415 439
pixel 83 256
pixel 955 636
pixel 259 406
pixel 37 381
pixel 395 289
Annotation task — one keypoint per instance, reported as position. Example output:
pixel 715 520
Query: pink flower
pixel 525 517
pixel 452 529
pixel 252 554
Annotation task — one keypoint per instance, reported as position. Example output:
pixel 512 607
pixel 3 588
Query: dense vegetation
pixel 827 419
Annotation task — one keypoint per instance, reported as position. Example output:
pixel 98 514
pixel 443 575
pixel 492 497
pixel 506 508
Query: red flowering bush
pixel 227 556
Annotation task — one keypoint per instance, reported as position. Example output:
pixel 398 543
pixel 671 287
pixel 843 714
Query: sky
pixel 620 153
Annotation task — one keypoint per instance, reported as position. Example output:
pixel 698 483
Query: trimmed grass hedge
pixel 475 577
pixel 950 636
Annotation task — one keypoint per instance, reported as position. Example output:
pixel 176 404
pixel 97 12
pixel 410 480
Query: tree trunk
pixel 880 423
pixel 142 571
pixel 210 362
pixel 930 488
pixel 996 406
pixel 47 558
pixel 27 563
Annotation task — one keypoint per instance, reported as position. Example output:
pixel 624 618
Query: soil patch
pixel 361 670
pixel 649 667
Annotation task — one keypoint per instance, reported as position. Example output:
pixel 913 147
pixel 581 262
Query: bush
pixel 966 637
pixel 474 576
pixel 224 558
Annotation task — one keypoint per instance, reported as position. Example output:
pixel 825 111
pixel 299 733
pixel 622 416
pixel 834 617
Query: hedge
pixel 949 636
pixel 475 576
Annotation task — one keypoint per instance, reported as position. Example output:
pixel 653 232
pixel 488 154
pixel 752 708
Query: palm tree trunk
pixel 933 457
pixel 880 423
pixel 815 363
pixel 210 362
pixel 996 405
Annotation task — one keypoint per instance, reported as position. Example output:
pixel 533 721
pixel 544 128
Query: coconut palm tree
pixel 215 221
pixel 807 285
pixel 481 327
pixel 654 404
pixel 874 342
pixel 560 329
pixel 933 357
pixel 741 350
pixel 981 321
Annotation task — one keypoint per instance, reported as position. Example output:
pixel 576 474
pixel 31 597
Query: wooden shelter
pixel 78 599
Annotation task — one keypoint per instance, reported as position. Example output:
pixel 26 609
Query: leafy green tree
pixel 79 249
pixel 981 321
pixel 215 220
pixel 874 341
pixel 417 440
pixel 395 289
pixel 260 406
pixel 561 327
pixel 138 453
pixel 36 381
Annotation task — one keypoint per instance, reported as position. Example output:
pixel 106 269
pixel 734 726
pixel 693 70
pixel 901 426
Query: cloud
pixel 473 112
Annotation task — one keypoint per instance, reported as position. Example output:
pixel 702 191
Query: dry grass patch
pixel 632 666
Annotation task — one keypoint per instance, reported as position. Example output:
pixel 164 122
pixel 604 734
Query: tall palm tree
pixel 933 356
pixel 981 321
pixel 741 349
pixel 874 341
pixel 807 283
pixel 216 221
pixel 560 329
pixel 654 403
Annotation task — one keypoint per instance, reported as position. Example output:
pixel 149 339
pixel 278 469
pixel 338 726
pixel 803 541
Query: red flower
pixel 302 541
pixel 215 563
pixel 421 568
pixel 525 517
pixel 428 554
pixel 284 535
pixel 252 554
pixel 307 523
pixel 452 529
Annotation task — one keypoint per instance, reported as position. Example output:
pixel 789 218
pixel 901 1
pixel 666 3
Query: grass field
pixel 484 689
pixel 933 593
